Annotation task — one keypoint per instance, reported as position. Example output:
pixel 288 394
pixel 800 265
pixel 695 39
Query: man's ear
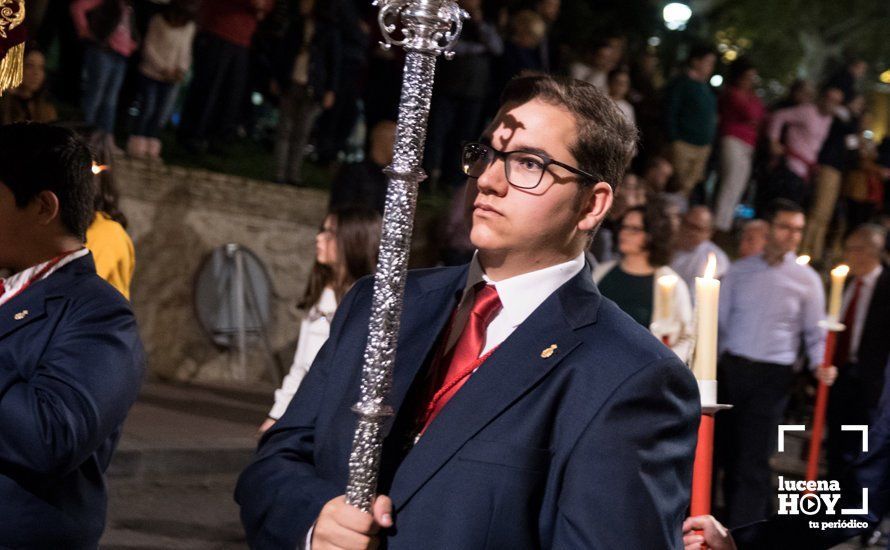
pixel 598 202
pixel 46 207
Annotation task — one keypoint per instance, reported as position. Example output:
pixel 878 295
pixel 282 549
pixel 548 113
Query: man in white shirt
pixel 862 349
pixel 532 412
pixel 694 246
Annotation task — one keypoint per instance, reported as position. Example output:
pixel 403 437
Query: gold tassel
pixel 12 68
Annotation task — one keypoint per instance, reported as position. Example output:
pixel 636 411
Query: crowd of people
pixel 775 194
pixel 202 67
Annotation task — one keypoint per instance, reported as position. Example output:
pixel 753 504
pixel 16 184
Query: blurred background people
pixel 30 101
pixel 645 238
pixel 741 114
pixel 694 245
pixel 690 111
pixel 596 65
pixel 166 59
pixel 221 54
pixel 752 239
pixel 460 89
pixel 364 183
pixel 770 306
pixel 306 79
pixel 862 349
pixel 108 28
pixel 796 135
pixel 618 86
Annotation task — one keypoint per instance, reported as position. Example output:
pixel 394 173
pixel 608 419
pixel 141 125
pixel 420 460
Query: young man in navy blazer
pixel 71 361
pixel 532 412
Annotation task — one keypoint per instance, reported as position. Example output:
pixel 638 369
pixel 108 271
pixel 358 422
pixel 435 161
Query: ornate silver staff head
pixel 424 25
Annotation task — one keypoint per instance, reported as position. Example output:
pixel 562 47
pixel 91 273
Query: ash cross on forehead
pixel 512 124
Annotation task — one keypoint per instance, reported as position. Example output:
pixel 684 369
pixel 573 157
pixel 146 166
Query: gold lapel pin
pixel 21 315
pixel 548 352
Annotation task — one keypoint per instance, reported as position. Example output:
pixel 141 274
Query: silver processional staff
pixel 425 28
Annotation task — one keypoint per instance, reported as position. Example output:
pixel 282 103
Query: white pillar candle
pixel 664 298
pixel 838 276
pixel 707 299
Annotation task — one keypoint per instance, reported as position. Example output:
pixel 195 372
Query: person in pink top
pixel 806 127
pixel 107 27
pixel 741 114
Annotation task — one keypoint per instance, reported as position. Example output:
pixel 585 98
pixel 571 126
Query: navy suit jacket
pixel 71 363
pixel 591 447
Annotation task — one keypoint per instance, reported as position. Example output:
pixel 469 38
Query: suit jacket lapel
pixel 30 305
pixel 511 371
pixel 421 332
pixel 22 310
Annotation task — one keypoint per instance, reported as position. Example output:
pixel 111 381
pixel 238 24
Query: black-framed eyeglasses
pixel 523 169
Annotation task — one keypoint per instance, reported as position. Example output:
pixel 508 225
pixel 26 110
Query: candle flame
pixel 667 281
pixel 803 259
pixel 841 270
pixel 98 168
pixel 711 267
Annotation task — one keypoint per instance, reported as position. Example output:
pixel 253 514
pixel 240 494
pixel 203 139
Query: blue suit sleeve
pixel 279 492
pixel 78 395
pixel 627 482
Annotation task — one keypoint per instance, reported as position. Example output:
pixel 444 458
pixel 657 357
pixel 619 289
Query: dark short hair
pixel 39 157
pixel 660 232
pixel 699 51
pixel 606 140
pixel 741 66
pixel 828 87
pixel 781 205
pixel 620 70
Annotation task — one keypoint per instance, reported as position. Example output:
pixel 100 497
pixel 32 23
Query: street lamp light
pixel 676 15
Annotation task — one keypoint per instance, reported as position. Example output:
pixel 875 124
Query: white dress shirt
pixel 520 296
pixel 314 331
pixel 862 306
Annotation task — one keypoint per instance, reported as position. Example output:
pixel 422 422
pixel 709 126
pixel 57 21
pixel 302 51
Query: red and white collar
pixel 14 285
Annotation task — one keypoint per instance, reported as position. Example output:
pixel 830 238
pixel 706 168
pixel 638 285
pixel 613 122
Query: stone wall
pixel 176 217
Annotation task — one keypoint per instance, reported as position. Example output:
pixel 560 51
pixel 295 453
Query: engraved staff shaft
pixel 425 28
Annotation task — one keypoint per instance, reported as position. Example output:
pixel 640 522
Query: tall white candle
pixel 838 276
pixel 664 298
pixel 707 299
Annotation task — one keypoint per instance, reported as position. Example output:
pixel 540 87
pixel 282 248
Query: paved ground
pixel 172 479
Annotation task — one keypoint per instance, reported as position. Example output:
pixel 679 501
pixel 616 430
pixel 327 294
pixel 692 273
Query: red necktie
pixel 464 358
pixel 845 338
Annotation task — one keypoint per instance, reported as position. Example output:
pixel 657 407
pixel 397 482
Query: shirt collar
pixel 872 276
pixel 522 294
pixel 14 283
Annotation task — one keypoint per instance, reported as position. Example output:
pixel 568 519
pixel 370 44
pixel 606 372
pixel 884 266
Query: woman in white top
pixel 166 58
pixel 619 87
pixel 645 241
pixel 345 251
